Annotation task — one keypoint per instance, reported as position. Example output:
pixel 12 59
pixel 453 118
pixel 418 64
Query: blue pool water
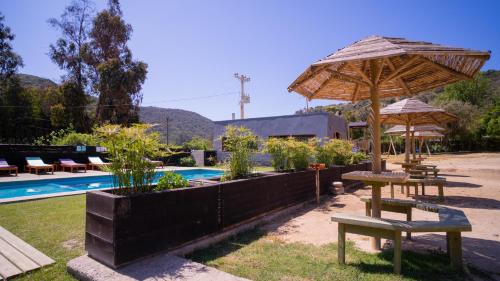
pixel 49 186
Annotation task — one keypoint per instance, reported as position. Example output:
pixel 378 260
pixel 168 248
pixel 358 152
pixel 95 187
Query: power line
pixel 114 105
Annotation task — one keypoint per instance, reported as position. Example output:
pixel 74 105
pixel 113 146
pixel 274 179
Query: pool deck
pixel 67 175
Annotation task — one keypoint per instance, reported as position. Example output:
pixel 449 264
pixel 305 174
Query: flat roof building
pixel 319 125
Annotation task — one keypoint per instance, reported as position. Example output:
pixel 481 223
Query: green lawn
pixel 256 256
pixel 54 226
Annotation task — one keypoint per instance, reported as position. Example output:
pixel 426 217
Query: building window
pixel 337 135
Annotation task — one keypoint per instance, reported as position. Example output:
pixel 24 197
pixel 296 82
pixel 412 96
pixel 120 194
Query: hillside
pixel 182 125
pixel 28 81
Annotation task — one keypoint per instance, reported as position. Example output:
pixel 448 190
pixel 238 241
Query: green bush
pixel 198 143
pixel 301 153
pixel 241 143
pixel 187 161
pixel 74 138
pixel 129 150
pixel 171 180
pixel 279 151
pixel 357 157
pixel 334 152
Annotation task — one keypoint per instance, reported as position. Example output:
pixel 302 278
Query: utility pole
pixel 243 97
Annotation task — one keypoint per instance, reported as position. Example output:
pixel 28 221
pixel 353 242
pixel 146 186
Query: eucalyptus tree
pixel 74 24
pixel 118 78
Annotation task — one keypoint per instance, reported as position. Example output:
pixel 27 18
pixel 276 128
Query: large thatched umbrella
pixel 410 112
pixel 379 67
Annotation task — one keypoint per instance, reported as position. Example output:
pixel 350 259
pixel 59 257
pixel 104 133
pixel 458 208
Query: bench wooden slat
pixel 16 257
pixel 7 269
pixel 37 256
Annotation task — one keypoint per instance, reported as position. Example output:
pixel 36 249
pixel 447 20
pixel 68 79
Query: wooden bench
pixel 451 221
pixel 427 169
pixel 416 180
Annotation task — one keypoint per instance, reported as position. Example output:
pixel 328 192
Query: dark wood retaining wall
pixel 121 229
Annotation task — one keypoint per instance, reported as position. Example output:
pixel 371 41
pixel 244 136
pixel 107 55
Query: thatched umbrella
pixel 379 67
pixel 398 129
pixel 410 112
pixel 422 136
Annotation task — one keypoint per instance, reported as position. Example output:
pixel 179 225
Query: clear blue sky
pixel 194 47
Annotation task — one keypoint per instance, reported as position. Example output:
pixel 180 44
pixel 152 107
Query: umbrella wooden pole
pixel 420 143
pixel 413 150
pixel 377 152
pixel 407 142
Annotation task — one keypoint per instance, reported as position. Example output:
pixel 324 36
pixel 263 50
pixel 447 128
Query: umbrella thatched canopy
pixel 378 67
pixel 398 129
pixel 413 112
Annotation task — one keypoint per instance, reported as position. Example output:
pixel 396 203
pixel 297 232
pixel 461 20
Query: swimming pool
pixel 38 188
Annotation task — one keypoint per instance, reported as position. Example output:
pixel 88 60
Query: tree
pixel 490 124
pixel 117 77
pixel 9 60
pixel 477 92
pixel 67 53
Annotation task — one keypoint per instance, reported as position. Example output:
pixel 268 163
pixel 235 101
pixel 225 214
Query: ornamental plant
pixel 129 150
pixel 279 151
pixel 242 145
pixel 171 180
pixel 301 153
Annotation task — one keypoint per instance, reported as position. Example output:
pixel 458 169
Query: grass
pixel 54 226
pixel 256 256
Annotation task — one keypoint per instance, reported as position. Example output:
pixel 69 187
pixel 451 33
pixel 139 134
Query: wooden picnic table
pixel 376 181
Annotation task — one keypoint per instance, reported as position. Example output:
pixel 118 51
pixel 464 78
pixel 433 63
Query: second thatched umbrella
pixel 378 67
pixel 398 129
pixel 411 112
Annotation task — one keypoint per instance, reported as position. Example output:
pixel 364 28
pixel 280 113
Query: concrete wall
pixel 319 125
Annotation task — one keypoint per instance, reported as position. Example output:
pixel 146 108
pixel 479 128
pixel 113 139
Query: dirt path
pixel 473 186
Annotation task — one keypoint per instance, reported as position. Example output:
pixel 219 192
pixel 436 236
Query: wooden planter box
pixel 120 229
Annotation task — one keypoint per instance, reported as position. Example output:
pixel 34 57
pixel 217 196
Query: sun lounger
pixel 4 166
pixel 97 162
pixel 72 165
pixel 37 164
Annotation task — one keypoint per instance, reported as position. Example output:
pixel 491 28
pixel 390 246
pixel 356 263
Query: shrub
pixel 187 161
pixel 301 153
pixel 171 180
pixel 198 143
pixel 357 157
pixel 241 143
pixel 335 151
pixel 74 138
pixel 211 161
pixel 279 151
pixel 129 150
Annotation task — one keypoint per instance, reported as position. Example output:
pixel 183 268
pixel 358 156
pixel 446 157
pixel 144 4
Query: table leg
pixel 376 210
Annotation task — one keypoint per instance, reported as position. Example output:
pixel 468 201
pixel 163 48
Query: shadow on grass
pixel 430 265
pixel 226 247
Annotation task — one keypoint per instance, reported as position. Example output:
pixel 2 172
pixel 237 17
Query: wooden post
pixel 341 244
pixel 407 142
pixel 377 150
pixel 408 218
pixel 317 185
pixel 413 150
pixel 420 143
pixel 455 248
pixel 397 252
pixel 376 209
